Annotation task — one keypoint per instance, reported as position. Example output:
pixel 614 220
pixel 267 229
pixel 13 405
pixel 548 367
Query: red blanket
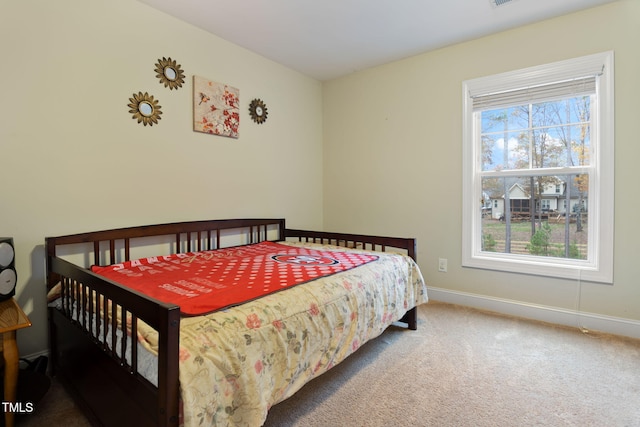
pixel 202 282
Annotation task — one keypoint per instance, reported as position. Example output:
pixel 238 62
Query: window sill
pixel 540 266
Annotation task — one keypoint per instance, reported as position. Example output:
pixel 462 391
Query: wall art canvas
pixel 216 108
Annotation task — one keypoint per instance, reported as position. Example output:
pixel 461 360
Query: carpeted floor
pixel 462 367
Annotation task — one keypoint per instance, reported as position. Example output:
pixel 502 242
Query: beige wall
pixel 74 160
pixel 393 154
pixel 392 140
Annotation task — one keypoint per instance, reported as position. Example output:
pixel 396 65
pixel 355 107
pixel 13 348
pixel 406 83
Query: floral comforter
pixel 237 363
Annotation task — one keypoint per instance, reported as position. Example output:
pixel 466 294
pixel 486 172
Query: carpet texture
pixel 462 367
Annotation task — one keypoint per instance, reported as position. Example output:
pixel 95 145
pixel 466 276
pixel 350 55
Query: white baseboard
pixel 559 316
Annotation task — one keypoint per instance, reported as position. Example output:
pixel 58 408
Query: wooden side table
pixel 12 318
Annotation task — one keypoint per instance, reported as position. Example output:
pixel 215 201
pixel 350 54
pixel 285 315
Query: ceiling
pixel 325 39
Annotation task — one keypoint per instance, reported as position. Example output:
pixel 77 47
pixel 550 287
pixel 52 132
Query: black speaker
pixel 8 274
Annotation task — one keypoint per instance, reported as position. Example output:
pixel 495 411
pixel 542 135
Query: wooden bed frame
pixel 86 358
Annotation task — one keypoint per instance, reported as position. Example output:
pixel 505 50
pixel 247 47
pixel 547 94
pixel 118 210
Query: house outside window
pixel 538 144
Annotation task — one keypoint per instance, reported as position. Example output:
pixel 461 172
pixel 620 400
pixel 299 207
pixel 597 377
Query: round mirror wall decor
pixel 144 108
pixel 258 111
pixel 169 73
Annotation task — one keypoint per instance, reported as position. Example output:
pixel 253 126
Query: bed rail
pixel 374 243
pixel 361 241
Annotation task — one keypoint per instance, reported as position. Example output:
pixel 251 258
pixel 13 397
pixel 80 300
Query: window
pixel 538 145
pixel 546 205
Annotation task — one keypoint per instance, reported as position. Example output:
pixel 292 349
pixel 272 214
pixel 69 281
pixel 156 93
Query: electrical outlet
pixel 442 265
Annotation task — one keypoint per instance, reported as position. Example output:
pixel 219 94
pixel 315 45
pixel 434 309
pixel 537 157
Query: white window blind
pixel 537 93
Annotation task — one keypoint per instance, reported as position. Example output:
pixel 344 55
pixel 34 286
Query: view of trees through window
pixel 535 178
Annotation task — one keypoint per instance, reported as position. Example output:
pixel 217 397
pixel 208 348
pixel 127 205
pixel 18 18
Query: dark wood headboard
pixel 108 245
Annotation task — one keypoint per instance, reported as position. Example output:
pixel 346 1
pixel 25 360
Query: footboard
pixel 90 354
pixel 92 359
pixel 360 241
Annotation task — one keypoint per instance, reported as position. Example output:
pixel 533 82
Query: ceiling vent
pixel 496 3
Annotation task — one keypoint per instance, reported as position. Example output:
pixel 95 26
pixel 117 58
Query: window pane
pixel 561 146
pixel 496 155
pixel 529 216
pixel 542 135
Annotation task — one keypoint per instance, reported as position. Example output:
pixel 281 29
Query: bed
pixel 128 358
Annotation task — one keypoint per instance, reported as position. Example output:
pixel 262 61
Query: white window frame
pixel 598 267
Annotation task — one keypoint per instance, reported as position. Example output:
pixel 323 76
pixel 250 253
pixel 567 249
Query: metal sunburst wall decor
pixel 169 73
pixel 258 111
pixel 145 108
